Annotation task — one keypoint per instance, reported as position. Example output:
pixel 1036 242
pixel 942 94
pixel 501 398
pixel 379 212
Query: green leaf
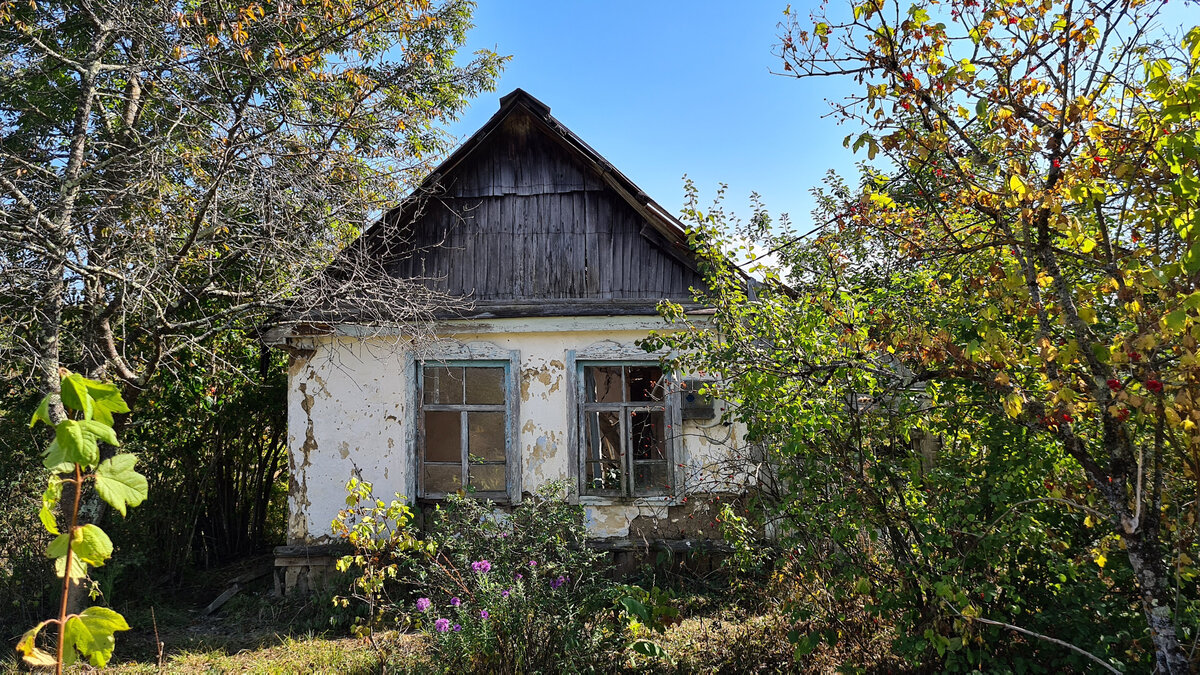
pixel 101 432
pixel 74 444
pixel 93 636
pixel 75 395
pixel 49 500
pixel 649 648
pixel 55 459
pixel 91 545
pixel 118 484
pixel 58 550
pixel 42 413
pixel 78 567
pixel 108 400
pixel 58 547
pixel 636 609
pixel 1177 320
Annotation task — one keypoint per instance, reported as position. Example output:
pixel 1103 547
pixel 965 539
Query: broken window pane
pixel 650 477
pixel 488 477
pixel 443 478
pixel 602 384
pixel 443 436
pixel 485 436
pixel 603 476
pixel 485 386
pixel 648 439
pixel 645 383
pixel 604 435
pixel 443 384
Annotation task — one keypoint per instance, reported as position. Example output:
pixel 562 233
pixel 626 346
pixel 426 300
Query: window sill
pixel 662 500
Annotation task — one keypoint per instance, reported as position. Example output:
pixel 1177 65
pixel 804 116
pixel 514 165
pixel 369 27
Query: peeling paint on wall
pixel 353 395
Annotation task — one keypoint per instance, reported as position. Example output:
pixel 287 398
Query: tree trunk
pixel 1151 574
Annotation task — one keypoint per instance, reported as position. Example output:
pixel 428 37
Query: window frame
pixel 512 459
pixel 580 410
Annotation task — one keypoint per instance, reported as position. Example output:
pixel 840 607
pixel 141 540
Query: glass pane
pixel 485 386
pixel 443 384
pixel 443 477
pixel 647 434
pixel 645 383
pixel 485 436
pixel 604 435
pixel 602 384
pixel 650 477
pixel 443 436
pixel 488 477
pixel 603 476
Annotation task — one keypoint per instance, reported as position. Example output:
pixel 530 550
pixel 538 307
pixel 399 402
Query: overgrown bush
pixel 494 591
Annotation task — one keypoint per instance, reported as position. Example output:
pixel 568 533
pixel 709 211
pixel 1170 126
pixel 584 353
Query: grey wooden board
pixel 523 220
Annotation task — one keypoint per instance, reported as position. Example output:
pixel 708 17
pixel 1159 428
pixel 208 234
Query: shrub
pixel 514 592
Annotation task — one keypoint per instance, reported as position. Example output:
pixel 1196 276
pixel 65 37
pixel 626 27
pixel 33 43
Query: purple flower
pixel 533 563
pixel 504 594
pixel 520 576
pixel 423 604
pixel 442 625
pixel 455 602
pixel 483 614
pixel 558 582
pixel 481 566
pixel 456 628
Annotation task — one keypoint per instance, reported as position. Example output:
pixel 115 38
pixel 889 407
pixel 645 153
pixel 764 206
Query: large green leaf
pixel 107 399
pixel 91 545
pixel 75 448
pixel 92 633
pixel 78 442
pixel 118 484
pixel 75 395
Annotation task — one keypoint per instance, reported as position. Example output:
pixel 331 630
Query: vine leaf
pixel 118 484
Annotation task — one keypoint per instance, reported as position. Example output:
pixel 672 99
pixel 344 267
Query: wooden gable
pixel 527 220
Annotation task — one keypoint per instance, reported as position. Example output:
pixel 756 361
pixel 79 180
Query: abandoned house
pixel 538 377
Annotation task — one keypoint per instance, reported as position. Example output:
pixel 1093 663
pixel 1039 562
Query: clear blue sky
pixel 667 87
pixel 664 88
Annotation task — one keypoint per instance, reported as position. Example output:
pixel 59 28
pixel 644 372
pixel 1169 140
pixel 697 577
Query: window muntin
pixel 464 429
pixel 626 449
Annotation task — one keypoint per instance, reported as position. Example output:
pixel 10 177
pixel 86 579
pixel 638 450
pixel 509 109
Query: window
pixel 466 418
pixel 625 439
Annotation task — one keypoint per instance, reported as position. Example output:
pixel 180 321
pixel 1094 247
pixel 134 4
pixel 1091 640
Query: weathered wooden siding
pixel 524 221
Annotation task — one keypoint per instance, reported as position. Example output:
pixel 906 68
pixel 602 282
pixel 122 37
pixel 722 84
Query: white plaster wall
pixel 350 413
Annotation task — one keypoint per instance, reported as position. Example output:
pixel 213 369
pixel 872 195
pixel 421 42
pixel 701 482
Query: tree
pixel 1025 273
pixel 170 170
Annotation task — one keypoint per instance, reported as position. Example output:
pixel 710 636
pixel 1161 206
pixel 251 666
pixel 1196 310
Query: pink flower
pixel 423 604
pixel 442 625
pixel 481 566
pixel 483 614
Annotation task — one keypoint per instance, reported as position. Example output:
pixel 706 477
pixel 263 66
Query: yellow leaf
pixel 1013 404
